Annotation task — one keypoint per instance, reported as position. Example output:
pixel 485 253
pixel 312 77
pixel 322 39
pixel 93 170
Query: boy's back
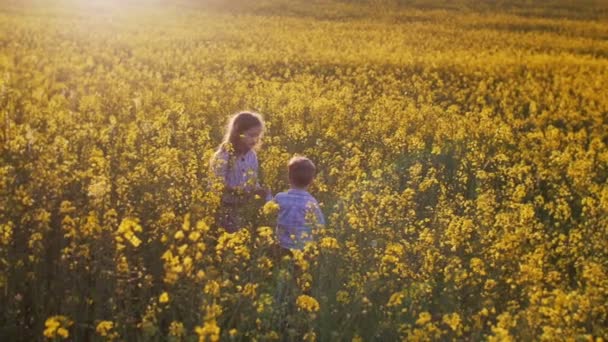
pixel 299 213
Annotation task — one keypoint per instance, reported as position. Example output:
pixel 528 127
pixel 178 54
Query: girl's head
pixel 244 131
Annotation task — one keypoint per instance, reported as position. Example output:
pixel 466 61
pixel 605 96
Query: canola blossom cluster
pixel 461 150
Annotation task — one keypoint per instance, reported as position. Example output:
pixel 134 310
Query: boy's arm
pixel 319 215
pixel 316 215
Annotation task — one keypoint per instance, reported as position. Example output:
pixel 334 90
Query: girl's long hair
pixel 238 124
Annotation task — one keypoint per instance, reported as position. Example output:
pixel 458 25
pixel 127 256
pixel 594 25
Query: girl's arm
pixel 219 166
pixel 219 170
pixel 262 191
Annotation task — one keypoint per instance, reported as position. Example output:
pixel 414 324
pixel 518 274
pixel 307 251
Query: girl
pixel 235 165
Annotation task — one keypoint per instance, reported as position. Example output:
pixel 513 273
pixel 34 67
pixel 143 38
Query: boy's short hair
pixel 301 171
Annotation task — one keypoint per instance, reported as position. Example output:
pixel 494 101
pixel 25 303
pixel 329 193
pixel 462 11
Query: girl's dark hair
pixel 239 123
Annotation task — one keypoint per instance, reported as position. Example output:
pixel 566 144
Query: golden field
pixel 461 148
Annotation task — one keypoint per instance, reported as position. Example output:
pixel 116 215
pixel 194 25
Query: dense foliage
pixel 462 156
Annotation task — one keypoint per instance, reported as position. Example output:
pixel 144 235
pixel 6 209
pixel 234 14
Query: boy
pixel 299 212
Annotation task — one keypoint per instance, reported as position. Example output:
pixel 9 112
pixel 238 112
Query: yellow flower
pixel 104 327
pixel 396 299
pixel 56 326
pixel 126 230
pixel 176 329
pixel 264 263
pixel 265 232
pixel 310 336
pixel 329 243
pixel 212 311
pixel 134 240
pixel 270 208
pixel 342 297
pixel 209 331
pixel 202 226
pixel 264 301
pixel 307 303
pixel 250 290
pixel 212 288
pixel 63 333
pixel 182 249
pixel 423 318
pixel 477 266
pixel 164 298
pixel 194 236
pixel 453 321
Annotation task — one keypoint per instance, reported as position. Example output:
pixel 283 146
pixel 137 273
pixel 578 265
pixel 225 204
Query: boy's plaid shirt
pixel 299 214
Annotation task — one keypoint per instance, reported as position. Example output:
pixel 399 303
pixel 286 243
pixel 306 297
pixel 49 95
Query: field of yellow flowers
pixel 461 148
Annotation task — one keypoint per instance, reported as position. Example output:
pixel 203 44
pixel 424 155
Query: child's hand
pixel 263 192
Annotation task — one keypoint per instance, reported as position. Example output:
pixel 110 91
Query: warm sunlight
pixel 303 170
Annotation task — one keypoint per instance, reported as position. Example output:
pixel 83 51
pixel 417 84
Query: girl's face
pixel 250 137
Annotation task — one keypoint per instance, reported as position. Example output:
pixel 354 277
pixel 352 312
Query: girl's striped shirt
pixel 237 172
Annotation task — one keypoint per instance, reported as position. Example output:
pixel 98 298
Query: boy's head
pixel 301 171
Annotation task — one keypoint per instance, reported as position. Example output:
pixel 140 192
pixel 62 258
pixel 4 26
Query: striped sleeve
pixel 219 165
pixel 316 213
